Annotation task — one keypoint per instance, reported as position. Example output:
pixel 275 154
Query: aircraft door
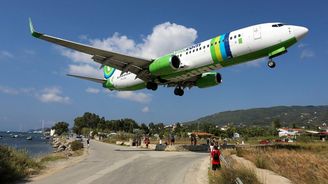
pixel 257 32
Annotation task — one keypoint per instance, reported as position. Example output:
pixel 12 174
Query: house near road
pixel 289 132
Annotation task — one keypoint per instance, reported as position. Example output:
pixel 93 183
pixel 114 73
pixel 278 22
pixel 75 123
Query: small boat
pixel 29 138
pixel 14 136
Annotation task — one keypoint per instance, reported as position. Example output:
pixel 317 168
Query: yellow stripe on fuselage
pixel 217 49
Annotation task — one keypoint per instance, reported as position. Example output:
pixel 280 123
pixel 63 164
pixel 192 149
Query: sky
pixel 34 87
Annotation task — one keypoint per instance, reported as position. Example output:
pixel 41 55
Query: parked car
pixel 78 138
pixel 265 141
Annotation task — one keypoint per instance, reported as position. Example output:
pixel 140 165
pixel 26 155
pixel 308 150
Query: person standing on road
pixel 215 155
pixel 88 142
pixel 172 140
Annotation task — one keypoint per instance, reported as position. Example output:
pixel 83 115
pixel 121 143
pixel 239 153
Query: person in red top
pixel 215 155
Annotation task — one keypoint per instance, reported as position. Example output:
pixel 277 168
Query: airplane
pixel 191 66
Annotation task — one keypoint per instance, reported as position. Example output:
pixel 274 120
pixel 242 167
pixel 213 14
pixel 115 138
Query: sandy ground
pixel 263 175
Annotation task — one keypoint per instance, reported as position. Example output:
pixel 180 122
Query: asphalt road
pixel 108 163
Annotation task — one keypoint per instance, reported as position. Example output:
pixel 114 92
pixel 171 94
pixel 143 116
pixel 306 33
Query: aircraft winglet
pixel 32 30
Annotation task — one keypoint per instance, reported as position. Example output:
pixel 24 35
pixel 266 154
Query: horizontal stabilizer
pixel 101 81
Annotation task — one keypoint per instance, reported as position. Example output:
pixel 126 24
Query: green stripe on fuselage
pixel 213 54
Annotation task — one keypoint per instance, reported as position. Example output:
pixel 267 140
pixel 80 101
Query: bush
pixel 15 164
pixel 229 175
pixel 76 145
pixel 261 162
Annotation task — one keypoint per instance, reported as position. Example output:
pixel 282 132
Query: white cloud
pixel 165 38
pixel 301 45
pixel 92 90
pixel 53 94
pixel 5 54
pixel 16 91
pixel 8 90
pixel 85 70
pixel 145 109
pixel 133 96
pixel 307 53
pixel 76 56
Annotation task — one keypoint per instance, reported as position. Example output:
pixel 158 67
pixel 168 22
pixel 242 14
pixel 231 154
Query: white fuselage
pixel 198 59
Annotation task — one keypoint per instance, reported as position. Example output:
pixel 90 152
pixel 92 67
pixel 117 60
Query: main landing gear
pixel 152 85
pixel 178 91
pixel 271 63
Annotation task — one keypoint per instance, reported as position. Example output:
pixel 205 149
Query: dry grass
pixel 16 165
pixel 306 164
pixel 228 175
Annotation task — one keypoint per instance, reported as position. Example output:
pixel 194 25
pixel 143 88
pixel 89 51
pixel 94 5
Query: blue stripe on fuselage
pixel 227 46
pixel 222 47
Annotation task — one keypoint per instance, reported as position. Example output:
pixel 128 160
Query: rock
pixel 119 142
pixel 160 147
pixel 61 148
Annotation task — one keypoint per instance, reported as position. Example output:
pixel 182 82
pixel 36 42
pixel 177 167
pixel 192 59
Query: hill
pixel 287 115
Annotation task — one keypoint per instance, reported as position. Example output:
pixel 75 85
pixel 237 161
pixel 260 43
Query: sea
pixel 35 147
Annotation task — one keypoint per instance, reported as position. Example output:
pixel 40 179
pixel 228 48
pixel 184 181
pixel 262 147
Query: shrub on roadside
pixel 15 164
pixel 229 175
pixel 76 145
pixel 261 162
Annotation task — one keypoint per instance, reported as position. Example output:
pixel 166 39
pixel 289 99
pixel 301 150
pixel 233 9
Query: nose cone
pixel 300 32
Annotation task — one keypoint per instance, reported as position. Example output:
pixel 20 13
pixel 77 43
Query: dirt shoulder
pixel 263 175
pixel 53 167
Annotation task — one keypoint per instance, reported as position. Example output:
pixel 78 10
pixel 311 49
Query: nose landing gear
pixel 271 63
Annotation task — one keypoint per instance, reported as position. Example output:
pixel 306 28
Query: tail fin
pixel 108 72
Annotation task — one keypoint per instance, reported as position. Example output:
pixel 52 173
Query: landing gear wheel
pixel 271 64
pixel 178 91
pixel 152 85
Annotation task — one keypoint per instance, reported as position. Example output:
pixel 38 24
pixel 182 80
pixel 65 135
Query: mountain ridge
pixel 287 115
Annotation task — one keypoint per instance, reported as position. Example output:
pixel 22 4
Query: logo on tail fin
pixel 108 72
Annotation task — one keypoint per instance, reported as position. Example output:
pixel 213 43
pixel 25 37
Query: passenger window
pixel 230 37
pixel 239 35
pixel 235 36
pixel 193 50
pixel 204 47
pixel 211 44
pixel 189 52
pixel 208 45
pixel 186 53
pixel 196 49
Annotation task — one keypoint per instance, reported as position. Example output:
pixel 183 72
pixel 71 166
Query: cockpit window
pixel 277 25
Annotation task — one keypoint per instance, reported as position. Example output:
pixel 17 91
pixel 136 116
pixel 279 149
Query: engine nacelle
pixel 209 79
pixel 165 65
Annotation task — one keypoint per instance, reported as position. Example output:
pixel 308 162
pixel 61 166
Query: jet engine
pixel 164 65
pixel 209 79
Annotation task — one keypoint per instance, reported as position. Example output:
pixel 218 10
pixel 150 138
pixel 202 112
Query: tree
pixel 144 128
pixel 60 128
pixel 276 124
